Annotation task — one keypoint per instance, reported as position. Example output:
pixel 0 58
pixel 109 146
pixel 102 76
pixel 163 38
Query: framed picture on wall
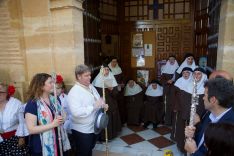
pixel 137 40
pixel 148 49
pixel 143 77
pixel 137 51
pixel 140 61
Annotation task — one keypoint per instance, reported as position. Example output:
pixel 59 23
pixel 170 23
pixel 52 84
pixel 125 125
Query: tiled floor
pixel 138 141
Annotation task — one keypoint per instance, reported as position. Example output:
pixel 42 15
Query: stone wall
pixel 225 52
pixel 12 62
pixel 40 36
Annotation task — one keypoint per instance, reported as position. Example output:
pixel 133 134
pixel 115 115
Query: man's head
pixel 218 92
pixel 218 138
pixel 221 73
pixel 83 74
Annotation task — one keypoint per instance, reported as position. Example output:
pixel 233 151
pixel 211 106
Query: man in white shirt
pixel 83 103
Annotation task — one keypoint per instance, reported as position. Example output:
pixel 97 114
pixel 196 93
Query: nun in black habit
pixel 153 106
pixel 167 80
pixel 188 62
pixel 118 74
pixel 185 104
pixel 111 92
pixel 179 86
pixel 133 95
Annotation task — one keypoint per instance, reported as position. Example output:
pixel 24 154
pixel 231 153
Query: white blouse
pixel 12 118
pixel 63 99
pixel 81 104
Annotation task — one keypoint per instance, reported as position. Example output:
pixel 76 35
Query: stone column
pixel 225 54
pixel 53 33
pixel 12 64
pixel 68 41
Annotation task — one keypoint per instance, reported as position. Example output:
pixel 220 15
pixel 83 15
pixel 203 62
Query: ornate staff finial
pixel 53 75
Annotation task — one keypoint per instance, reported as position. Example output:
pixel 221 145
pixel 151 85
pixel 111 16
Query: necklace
pixel 49 104
pixel 88 89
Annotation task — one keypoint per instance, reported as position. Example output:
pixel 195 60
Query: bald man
pixel 221 73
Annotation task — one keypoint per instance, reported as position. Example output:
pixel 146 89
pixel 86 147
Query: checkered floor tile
pixel 140 141
pixel 161 142
pixel 132 138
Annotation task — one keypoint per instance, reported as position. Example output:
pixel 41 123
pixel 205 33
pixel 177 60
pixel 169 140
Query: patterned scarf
pixel 48 138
